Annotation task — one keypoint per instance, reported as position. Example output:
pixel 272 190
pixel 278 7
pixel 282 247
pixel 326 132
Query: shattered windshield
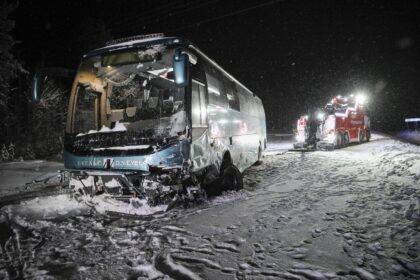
pixel 129 91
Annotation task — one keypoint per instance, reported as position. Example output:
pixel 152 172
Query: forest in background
pixel 291 71
pixel 29 129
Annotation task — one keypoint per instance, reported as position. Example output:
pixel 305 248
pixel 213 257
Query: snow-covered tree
pixel 8 64
pixel 11 151
pixel 49 119
pixel 9 68
pixel 4 153
pixel 29 152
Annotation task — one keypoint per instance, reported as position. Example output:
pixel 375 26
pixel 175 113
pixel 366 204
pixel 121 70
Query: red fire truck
pixel 344 120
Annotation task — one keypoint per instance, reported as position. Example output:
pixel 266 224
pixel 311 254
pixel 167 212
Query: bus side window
pixel 232 95
pixel 195 105
pixel 199 107
pixel 244 102
pixel 203 105
pixel 217 94
pixel 197 72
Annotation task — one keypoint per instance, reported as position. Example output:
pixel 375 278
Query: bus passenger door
pixel 200 146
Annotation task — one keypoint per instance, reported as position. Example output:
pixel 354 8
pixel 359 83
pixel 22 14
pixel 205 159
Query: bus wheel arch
pixel 260 155
pixel 226 161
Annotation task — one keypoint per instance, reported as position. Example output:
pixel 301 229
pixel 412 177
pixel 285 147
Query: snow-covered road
pixel 14 175
pixel 346 214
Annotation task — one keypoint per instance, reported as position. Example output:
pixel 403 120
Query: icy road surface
pixel 346 214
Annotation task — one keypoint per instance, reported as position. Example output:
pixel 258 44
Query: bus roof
pixel 156 39
pixel 138 44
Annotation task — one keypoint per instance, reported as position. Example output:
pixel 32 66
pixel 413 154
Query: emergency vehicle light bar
pixel 412 120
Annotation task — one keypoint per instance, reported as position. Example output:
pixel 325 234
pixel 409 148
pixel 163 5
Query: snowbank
pixel 47 208
pixel 410 135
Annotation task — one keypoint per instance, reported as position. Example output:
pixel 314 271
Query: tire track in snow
pixel 322 215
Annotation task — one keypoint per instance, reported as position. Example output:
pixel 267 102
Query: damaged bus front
pixel 140 124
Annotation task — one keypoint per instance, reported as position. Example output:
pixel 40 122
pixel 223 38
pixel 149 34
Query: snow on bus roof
pixel 135 38
pixel 159 38
pixel 134 43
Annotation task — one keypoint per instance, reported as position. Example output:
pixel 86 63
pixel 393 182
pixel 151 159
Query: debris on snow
pixel 363 220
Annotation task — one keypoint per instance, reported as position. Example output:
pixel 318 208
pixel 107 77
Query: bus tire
pixel 232 178
pixel 368 136
pixel 211 182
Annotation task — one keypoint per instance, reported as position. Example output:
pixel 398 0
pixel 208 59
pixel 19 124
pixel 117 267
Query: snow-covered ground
pixel 278 144
pixel 14 175
pixel 347 214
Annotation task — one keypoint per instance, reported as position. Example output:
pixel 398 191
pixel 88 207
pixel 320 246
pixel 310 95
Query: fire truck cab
pixel 346 121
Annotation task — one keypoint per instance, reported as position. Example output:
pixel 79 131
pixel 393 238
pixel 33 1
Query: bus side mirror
pixel 36 88
pixel 180 65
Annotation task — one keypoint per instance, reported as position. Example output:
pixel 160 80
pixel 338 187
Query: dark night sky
pixel 293 54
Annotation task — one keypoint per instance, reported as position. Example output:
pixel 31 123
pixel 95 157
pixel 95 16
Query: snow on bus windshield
pixel 138 95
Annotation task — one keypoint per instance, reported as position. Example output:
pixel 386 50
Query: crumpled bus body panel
pixel 168 157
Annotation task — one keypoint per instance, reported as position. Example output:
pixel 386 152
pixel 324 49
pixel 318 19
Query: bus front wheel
pixel 232 178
